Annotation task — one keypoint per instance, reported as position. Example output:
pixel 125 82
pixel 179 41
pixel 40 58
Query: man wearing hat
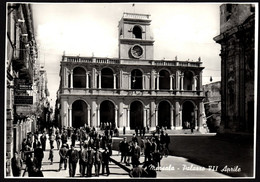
pixel 73 155
pixel 63 156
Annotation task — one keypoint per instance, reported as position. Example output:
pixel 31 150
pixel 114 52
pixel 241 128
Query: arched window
pixel 79 78
pixel 164 80
pixel 137 32
pixel 188 80
pixel 136 79
pixel 107 78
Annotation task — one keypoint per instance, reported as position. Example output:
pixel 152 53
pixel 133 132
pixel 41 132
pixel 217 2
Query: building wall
pixel 237 65
pixel 180 93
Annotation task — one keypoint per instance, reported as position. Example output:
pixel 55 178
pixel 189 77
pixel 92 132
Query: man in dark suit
pixel 73 160
pixel 84 159
pixel 90 161
pixel 17 164
pixel 63 156
pixel 136 155
pixel 38 153
pixel 105 161
pixel 98 159
pixel 123 149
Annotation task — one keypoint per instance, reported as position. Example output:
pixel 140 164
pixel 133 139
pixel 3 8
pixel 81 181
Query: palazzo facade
pixel 131 91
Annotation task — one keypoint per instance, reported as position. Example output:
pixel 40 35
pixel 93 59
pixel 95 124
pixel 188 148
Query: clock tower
pixel 135 40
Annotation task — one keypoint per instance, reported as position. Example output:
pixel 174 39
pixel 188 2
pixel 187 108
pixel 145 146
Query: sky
pixel 184 30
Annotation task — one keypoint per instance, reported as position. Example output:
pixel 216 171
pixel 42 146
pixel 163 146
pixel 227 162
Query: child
pixel 51 154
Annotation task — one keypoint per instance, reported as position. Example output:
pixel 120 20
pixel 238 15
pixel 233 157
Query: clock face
pixel 137 51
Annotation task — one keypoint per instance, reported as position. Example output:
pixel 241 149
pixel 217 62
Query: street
pixel 171 167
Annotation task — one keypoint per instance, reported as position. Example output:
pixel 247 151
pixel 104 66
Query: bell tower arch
pixel 135 38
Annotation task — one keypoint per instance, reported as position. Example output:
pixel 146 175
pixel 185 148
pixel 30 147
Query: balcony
pixel 76 59
pixel 130 92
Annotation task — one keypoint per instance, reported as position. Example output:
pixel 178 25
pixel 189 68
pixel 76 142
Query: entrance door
pixel 188 115
pixel 164 114
pixel 136 115
pixel 107 113
pixel 79 114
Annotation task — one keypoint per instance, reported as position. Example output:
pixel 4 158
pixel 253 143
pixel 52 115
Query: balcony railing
pixel 136 16
pixel 76 59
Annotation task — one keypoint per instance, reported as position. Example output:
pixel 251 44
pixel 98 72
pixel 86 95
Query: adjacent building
pixel 237 40
pixel 133 90
pixel 212 104
pixel 22 98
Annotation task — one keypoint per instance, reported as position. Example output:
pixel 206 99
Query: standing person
pixel 136 155
pixel 43 139
pixel 73 138
pixel 17 164
pixel 58 139
pixel 35 143
pixel 90 161
pixel 63 156
pixel 136 131
pixel 51 155
pixel 129 153
pixel 84 159
pixel 167 142
pixel 31 167
pixel 105 161
pixel 98 160
pixel 147 150
pixel 123 149
pixel 124 130
pixel 39 154
pixel 142 145
pixel 64 137
pixel 52 138
pixel 157 158
pixel 23 149
pixel 73 160
pixel 134 138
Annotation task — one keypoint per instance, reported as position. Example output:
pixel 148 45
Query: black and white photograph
pixel 127 90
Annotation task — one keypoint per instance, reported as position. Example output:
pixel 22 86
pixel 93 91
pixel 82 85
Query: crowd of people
pixel 95 149
pixel 153 148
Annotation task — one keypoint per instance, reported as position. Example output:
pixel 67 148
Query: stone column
pixel 177 116
pixel 71 79
pixel 182 76
pixel 171 82
pixel 70 117
pixel 114 81
pixel 156 117
pixel 196 119
pixel 145 112
pixel 87 85
pixel 177 80
pixel 152 80
pixel 89 115
pixel 99 79
pixel 128 118
pixel 98 118
pixel 65 78
pixel 129 81
pixel 157 83
pixel 116 116
pixel 120 79
pixel 172 118
pixel 93 113
pixel 194 85
pixel 94 85
pixel 148 118
pixel 143 80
